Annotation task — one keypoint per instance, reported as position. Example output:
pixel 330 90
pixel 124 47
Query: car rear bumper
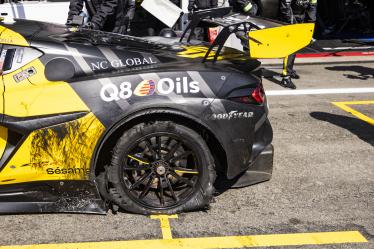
pixel 259 171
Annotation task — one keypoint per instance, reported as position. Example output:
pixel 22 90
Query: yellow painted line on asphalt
pixel 297 239
pixel 165 224
pixel 346 107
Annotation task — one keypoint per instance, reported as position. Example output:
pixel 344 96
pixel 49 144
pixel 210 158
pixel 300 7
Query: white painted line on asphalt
pixel 319 91
pixel 348 48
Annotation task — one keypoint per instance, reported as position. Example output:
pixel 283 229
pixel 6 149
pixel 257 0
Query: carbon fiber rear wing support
pixel 198 16
pixel 228 28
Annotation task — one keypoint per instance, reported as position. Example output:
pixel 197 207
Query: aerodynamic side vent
pixel 17 57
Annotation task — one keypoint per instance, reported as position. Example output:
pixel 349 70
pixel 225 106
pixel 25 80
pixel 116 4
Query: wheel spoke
pixel 158 143
pixel 182 179
pixel 162 198
pixel 160 170
pixel 138 159
pixel 141 180
pixel 172 151
pixel 170 188
pixel 181 156
pixel 168 142
pixel 186 171
pixel 136 168
pixel 146 189
pixel 148 144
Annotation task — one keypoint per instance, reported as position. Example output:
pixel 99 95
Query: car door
pixel 12 60
pixel 3 130
pixel 44 122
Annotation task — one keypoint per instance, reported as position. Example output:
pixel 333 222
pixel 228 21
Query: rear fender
pixel 137 117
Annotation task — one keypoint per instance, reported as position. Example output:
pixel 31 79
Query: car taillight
pixel 256 97
pixel 259 94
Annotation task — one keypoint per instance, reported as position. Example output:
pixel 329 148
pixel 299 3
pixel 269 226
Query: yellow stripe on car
pixel 10 37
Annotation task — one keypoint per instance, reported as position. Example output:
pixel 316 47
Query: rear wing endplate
pixel 281 41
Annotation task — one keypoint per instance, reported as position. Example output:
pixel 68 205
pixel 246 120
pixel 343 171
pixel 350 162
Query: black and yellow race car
pixel 90 118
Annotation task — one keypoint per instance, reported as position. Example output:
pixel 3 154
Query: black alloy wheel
pixel 160 171
pixel 161 167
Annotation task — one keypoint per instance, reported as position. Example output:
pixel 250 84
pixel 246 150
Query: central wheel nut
pixel 161 170
pixel 160 167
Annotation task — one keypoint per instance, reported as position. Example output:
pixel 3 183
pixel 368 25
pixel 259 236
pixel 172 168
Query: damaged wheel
pixel 161 167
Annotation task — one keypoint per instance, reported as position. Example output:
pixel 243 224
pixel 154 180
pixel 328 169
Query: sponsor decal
pixel 165 86
pixel 19 55
pixel 24 74
pixel 57 170
pixel 6 40
pixel 230 115
pixel 145 88
pixel 122 63
pixel 66 171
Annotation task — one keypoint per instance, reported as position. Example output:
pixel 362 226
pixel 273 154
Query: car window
pixel 14 57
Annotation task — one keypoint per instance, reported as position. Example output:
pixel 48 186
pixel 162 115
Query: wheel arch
pixel 102 154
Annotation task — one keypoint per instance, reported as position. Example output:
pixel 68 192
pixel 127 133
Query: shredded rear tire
pixel 161 167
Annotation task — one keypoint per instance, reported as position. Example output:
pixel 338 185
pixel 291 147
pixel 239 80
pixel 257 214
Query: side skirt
pixel 51 197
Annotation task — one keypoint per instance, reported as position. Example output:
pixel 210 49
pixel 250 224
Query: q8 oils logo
pixel 145 88
pixel 165 86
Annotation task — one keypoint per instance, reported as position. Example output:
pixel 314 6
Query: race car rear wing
pixel 262 38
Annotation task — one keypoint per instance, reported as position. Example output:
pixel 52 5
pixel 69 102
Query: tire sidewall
pixel 203 191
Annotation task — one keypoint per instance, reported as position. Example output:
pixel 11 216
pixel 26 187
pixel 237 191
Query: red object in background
pixel 212 34
pixel 336 54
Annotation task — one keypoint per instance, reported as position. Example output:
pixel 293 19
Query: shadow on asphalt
pixel 362 73
pixel 361 129
pixel 222 184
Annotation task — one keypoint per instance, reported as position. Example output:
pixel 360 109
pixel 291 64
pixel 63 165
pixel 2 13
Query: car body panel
pixel 37 96
pixel 8 36
pixel 47 153
pixel 81 86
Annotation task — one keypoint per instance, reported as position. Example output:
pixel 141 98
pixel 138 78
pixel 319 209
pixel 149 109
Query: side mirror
pixel 59 69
